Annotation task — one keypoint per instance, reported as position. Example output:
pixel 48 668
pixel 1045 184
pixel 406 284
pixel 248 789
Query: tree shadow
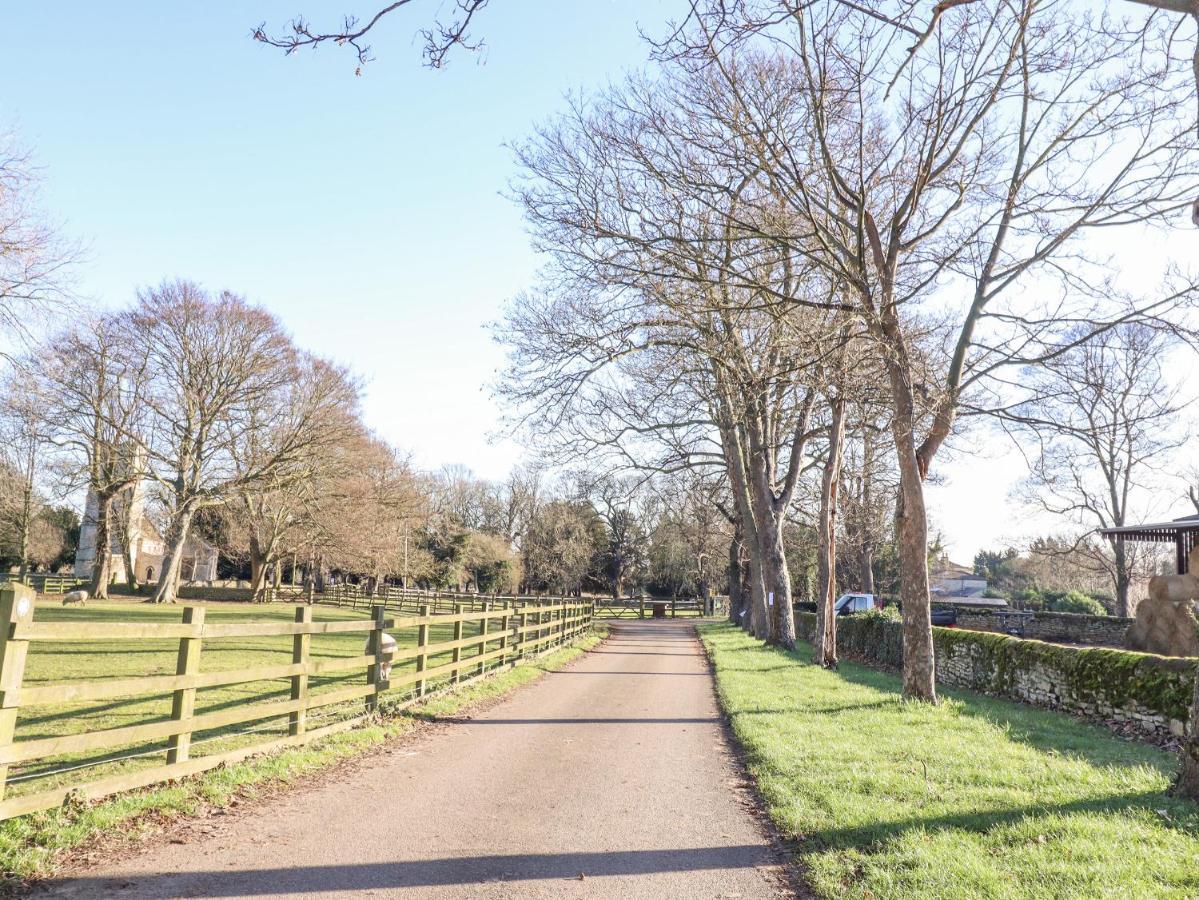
pixel 983 821
pixel 495 869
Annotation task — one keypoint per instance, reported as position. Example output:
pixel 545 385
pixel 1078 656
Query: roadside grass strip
pixel 31 846
pixel 976 797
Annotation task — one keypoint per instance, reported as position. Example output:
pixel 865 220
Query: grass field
pixel 31 846
pixel 975 798
pixel 84 660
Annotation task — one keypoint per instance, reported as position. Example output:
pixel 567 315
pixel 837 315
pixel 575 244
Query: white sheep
pixel 79 597
pixel 389 647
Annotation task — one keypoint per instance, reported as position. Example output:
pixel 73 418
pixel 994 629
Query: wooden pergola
pixel 1182 533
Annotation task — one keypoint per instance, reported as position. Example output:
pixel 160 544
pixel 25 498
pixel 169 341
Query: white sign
pixel 770 598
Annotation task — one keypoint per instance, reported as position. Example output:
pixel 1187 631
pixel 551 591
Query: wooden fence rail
pixel 52 584
pixel 505 632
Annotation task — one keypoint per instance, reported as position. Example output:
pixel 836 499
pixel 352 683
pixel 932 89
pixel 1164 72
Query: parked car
pixel 945 616
pixel 848 604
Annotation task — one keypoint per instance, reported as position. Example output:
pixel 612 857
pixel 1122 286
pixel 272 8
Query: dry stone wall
pixel 1138 692
pixel 1069 628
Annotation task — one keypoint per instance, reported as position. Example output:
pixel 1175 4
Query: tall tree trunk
pixel 778 582
pixel 168 579
pixel 826 621
pixel 102 564
pixel 26 515
pixel 736 598
pixel 919 669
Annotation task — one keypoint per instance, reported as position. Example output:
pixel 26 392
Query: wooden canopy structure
pixel 1182 533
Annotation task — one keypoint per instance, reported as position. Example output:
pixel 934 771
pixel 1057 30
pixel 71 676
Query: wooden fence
pixel 643 607
pixel 502 634
pixel 354 596
pixel 52 584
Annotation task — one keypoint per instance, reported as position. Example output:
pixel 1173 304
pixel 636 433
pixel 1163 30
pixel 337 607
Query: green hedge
pixel 1091 681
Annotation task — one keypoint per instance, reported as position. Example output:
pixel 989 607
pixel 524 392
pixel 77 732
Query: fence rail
pixel 51 584
pixel 504 632
pixel 356 597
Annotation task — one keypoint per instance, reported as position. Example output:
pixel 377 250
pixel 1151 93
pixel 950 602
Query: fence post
pixel 641 610
pixel 374 675
pixel 183 705
pixel 300 645
pixel 422 642
pixel 16 605
pixel 485 622
pixel 456 675
pixel 504 622
pixel 674 607
pixel 518 640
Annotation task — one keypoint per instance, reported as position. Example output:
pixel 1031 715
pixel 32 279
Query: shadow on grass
pixel 981 822
pixel 1044 730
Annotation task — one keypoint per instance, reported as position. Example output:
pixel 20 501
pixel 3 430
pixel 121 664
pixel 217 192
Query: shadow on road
pixel 418 873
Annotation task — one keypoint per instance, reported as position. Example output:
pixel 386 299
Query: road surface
pixel 610 778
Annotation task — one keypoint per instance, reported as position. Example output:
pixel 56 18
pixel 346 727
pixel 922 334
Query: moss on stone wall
pixel 1151 692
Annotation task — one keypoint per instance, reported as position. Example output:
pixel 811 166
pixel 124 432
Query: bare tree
pixel 219 373
pixel 275 506
pixel 979 181
pixel 34 259
pixel 23 445
pixel 92 401
pixel 826 593
pixel 1102 421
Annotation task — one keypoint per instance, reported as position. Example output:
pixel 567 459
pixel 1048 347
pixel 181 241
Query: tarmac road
pixel 609 778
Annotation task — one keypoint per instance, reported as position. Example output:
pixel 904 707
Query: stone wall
pixel 1145 694
pixel 1069 628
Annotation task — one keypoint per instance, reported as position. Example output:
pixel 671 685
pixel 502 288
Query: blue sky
pixel 366 212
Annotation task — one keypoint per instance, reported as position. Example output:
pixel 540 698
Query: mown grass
pixel 31 846
pixel 974 798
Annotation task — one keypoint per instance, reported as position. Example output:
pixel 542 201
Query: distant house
pixel 951 582
pixel 146 545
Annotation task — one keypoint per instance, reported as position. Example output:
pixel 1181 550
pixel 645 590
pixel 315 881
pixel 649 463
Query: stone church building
pixel 146 544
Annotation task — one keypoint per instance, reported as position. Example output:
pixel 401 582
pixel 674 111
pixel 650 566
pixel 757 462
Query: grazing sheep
pixel 79 597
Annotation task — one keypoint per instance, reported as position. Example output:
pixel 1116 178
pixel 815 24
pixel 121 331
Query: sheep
pixel 79 597
pixel 389 647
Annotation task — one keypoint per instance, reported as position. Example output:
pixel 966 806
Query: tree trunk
pixel 102 564
pixel 826 622
pixel 919 670
pixel 866 573
pixel 125 537
pixel 26 519
pixel 1123 579
pixel 736 599
pixel 257 570
pixel 866 576
pixel 168 579
pixel 778 581
pixel 318 574
pixel 1187 784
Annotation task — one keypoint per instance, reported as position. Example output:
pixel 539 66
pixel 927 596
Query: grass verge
pixel 977 797
pixel 32 846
